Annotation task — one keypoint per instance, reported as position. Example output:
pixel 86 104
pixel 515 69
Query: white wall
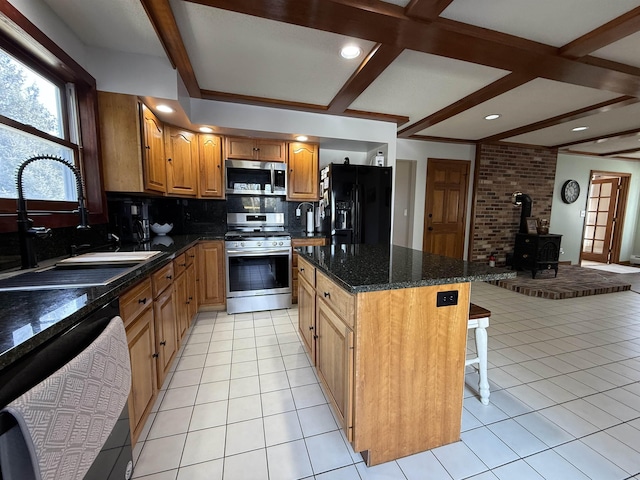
pixel 421 151
pixel 566 219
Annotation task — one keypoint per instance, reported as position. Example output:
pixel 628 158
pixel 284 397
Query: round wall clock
pixel 570 191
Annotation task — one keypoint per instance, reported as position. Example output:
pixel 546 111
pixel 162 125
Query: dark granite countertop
pixel 30 318
pixel 368 268
pixel 300 234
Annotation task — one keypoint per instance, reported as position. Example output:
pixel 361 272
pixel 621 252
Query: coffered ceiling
pixel 434 67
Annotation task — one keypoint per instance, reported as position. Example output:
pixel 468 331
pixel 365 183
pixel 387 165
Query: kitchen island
pixel 386 329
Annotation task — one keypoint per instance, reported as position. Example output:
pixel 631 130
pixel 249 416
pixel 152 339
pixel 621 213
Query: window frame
pixel 22 39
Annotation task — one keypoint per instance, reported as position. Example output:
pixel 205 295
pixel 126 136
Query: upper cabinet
pixel 132 145
pixel 181 150
pixel 211 171
pixel 155 170
pixel 303 172
pixel 244 148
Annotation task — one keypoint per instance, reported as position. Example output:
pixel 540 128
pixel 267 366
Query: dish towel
pixel 63 422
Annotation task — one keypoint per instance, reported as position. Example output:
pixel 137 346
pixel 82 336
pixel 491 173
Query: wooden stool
pixel 479 321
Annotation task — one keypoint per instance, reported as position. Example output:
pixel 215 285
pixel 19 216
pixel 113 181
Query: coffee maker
pixel 130 220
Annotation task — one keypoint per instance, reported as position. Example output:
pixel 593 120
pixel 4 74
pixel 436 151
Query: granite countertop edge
pixel 98 297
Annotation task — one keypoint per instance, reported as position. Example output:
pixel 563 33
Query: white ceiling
pixel 285 54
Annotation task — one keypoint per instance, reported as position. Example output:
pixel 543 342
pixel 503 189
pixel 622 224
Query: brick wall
pixel 502 170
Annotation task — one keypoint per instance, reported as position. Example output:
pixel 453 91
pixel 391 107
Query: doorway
pixel 604 217
pixel 445 207
pixel 403 206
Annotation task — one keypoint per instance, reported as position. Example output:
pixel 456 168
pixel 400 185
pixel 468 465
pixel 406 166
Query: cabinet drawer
pixel 162 279
pixel 190 255
pixel 135 300
pixel 339 300
pixel 179 264
pixel 306 271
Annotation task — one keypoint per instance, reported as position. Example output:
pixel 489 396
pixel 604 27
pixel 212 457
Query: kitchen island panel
pixel 409 371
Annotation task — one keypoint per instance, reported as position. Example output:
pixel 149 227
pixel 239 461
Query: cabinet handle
pixel 147 147
pixel 315 337
pixel 168 159
pixel 169 277
pixel 301 270
pixel 190 298
pixel 183 264
pixel 142 300
pixel 155 355
pixel 163 343
pixel 311 327
pixel 192 256
pixel 327 295
pixel 525 256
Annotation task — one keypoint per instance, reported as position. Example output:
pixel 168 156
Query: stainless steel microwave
pixel 256 178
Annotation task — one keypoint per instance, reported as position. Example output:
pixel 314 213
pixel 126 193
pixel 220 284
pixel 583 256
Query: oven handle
pixel 255 253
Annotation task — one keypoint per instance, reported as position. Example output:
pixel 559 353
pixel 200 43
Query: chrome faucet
pixel 26 231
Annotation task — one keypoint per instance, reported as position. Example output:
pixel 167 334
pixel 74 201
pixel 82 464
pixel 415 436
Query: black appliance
pixel 356 203
pixel 130 220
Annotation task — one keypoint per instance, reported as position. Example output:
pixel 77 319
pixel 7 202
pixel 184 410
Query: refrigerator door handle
pixel 357 234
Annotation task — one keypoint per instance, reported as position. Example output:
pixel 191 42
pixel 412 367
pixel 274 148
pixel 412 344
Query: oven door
pixel 258 279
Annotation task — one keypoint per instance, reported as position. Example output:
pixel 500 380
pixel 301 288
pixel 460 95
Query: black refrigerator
pixel 356 202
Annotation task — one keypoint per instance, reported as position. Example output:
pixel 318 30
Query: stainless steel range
pixel 258 255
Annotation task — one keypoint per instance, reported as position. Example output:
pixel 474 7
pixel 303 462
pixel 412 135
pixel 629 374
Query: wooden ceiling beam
pixel 566 117
pixel 164 23
pixel 506 83
pixel 426 9
pixel 619 152
pixel 380 57
pixel 608 33
pixel 626 133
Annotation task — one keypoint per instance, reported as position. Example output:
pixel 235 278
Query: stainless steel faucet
pixel 26 231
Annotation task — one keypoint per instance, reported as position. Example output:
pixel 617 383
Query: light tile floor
pixel 242 401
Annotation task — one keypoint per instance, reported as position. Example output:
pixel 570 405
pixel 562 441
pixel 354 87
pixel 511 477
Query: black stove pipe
pixel 526 202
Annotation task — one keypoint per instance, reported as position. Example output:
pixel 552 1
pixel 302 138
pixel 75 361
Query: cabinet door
pixel 121 143
pixel 211 276
pixel 240 148
pixel 155 170
pixel 164 314
pixel 181 149
pixel 271 150
pixel 303 172
pixel 192 305
pixel 334 362
pixel 306 316
pixel 182 313
pixel 211 171
pixel 141 340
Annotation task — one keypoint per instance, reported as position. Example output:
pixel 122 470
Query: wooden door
pixel 306 315
pixel 334 361
pixel 181 149
pixel 303 172
pixel 192 308
pixel 240 148
pixel 164 314
pixel 155 170
pixel 180 292
pixel 141 340
pixel 211 171
pixel 445 207
pixel 211 275
pixel 600 219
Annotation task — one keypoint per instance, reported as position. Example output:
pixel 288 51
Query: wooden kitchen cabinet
pixel 181 295
pixel 306 295
pixel 132 145
pixel 211 184
pixel 211 275
pixel 192 291
pixel 295 243
pixel 303 165
pixel 334 361
pixel 181 150
pixel 136 310
pixel 245 148
pixel 165 320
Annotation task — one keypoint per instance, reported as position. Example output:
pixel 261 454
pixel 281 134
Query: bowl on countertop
pixel 161 229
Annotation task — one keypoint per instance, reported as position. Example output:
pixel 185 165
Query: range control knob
pixel 259 244
pixel 281 243
pixel 242 244
pixel 274 243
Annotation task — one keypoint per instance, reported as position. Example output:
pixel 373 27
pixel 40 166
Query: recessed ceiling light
pixel 579 129
pixel 350 51
pixel 602 140
pixel 493 116
pixel 164 108
pixel 206 129
pixel 302 138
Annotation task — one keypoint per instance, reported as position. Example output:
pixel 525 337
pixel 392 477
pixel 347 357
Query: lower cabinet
pixel 182 312
pixel 334 362
pixel 211 276
pixel 164 313
pixel 295 243
pixel 307 307
pixel 136 310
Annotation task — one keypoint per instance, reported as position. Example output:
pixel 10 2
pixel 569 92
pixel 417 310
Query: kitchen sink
pixel 88 270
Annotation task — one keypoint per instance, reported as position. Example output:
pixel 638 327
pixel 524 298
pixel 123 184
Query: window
pixel 48 105
pixel 33 121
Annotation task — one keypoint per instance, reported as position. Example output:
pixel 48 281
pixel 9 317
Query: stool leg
pixel 481 347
